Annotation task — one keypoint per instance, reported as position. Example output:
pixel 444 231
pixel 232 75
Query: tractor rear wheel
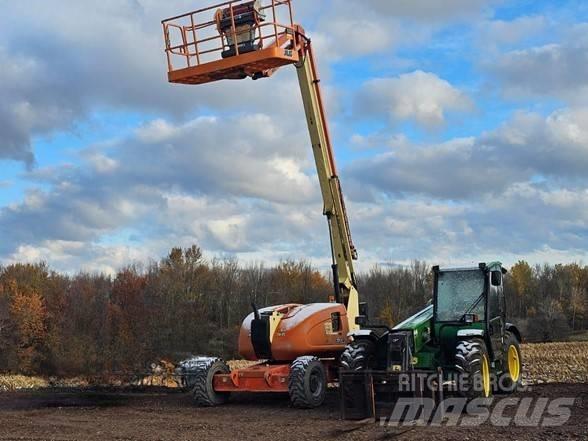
pixel 203 392
pixel 512 363
pixel 308 383
pixel 473 364
pixel 358 356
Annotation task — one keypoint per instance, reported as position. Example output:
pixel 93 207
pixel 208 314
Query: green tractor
pixel 463 339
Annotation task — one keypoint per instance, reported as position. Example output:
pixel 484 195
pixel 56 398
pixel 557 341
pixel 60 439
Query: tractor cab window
pixel 460 293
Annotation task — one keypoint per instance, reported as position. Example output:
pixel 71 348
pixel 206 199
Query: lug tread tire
pixel 298 384
pixel 358 356
pixel 203 391
pixel 468 360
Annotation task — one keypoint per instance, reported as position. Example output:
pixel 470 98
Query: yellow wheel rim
pixel 514 363
pixel 486 376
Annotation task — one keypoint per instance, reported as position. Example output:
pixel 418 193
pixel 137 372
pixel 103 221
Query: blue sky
pixel 461 132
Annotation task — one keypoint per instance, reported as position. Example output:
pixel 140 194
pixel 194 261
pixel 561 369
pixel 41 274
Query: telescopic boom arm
pixel 342 248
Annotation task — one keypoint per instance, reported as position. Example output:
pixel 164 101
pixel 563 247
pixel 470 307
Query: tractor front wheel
pixel 358 356
pixel 202 380
pixel 512 363
pixel 473 364
pixel 308 383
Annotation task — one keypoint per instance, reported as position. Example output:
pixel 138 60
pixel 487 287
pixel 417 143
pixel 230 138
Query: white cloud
pixel 102 163
pixel 426 10
pixel 72 257
pixel 229 232
pixel 554 70
pixel 349 36
pixel 346 30
pixel 158 131
pixel 378 140
pixel 417 207
pixel 231 184
pixel 554 147
pixel 524 222
pixel 419 96
pixel 502 32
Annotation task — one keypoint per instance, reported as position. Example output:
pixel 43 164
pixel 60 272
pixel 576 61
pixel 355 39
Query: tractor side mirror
pixel 362 318
pixel 363 309
pixel 496 278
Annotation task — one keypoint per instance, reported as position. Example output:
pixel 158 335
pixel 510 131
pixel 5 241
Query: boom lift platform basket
pixel 231 40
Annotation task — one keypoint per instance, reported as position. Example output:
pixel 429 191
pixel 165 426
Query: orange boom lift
pixel 298 346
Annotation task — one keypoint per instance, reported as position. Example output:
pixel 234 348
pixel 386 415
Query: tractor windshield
pixel 459 293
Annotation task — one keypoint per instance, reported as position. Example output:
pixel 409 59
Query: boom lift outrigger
pixel 302 343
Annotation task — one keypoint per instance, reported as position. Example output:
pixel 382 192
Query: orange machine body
pixel 303 330
pixel 318 329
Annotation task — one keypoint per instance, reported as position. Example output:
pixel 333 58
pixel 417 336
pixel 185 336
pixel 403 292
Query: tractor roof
pixel 494 266
pixel 491 266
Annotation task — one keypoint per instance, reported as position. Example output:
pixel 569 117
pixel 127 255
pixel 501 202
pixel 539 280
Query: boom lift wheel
pixel 203 392
pixel 308 383
pixel 472 360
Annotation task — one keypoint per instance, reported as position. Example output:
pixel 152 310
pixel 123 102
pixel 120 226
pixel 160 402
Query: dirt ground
pixel 164 415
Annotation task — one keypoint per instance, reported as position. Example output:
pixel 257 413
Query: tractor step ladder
pixel 231 40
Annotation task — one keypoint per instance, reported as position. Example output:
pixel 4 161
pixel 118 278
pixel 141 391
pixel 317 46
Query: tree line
pixel 185 304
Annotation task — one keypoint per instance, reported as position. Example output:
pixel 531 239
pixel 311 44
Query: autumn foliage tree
pixel 23 335
pixel 186 304
pixel 27 313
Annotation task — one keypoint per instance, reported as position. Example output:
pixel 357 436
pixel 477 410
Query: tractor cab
pixel 470 302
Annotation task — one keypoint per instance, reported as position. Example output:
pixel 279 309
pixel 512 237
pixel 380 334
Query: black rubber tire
pixel 505 384
pixel 203 392
pixel 468 362
pixel 308 383
pixel 358 356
